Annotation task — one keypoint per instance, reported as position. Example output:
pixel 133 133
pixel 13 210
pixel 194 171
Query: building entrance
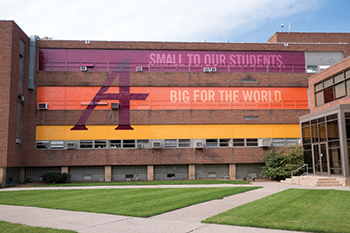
pixel 321 160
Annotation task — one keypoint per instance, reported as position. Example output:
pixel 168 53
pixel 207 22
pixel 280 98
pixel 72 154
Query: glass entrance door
pixel 321 160
pixel 324 160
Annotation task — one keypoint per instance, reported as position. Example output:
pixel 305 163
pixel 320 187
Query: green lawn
pixel 293 209
pixel 142 202
pixel 155 182
pixel 20 228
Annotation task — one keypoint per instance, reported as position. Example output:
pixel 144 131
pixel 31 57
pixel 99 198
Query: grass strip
pixel 20 228
pixel 293 209
pixel 159 182
pixel 141 202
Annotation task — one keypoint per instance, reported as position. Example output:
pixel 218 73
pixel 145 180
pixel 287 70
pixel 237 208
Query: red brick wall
pixel 313 37
pixel 5 74
pixel 310 37
pixel 10 36
pixel 168 79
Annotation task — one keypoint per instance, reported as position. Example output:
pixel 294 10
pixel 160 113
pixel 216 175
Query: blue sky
pixel 180 20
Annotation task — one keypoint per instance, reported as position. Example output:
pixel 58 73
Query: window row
pixel 333 88
pixel 316 68
pixel 164 143
pixel 320 130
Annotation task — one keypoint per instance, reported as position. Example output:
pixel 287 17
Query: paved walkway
pixel 183 220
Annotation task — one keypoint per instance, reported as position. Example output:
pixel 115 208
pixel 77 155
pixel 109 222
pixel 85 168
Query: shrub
pixel 54 177
pixel 27 180
pixel 280 163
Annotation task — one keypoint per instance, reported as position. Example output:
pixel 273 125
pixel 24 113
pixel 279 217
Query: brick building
pixel 106 111
pixel 326 130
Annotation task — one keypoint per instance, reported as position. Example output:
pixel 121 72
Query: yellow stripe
pixel 169 132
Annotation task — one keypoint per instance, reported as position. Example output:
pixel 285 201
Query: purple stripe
pixel 171 61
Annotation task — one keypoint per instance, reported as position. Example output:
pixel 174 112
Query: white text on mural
pixel 186 96
pixel 215 59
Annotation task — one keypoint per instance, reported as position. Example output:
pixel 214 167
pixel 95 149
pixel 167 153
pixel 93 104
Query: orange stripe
pixel 181 97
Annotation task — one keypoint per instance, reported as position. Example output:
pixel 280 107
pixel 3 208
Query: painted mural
pixel 172 61
pixel 177 97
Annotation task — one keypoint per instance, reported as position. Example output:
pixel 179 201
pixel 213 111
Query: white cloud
pixel 146 20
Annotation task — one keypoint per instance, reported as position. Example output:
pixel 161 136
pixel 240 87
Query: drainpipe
pixel 31 69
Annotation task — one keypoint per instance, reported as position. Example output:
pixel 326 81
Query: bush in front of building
pixel 54 177
pixel 280 163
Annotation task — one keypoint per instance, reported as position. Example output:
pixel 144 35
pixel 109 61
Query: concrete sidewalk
pixel 182 220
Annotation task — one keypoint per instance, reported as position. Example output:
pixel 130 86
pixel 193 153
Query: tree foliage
pixel 280 163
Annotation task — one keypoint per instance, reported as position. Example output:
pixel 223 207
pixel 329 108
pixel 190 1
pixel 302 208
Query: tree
pixel 280 163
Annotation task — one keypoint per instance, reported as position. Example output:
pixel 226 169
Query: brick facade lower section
pixel 167 79
pixel 172 117
pixel 87 157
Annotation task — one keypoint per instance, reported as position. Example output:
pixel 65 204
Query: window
pixel 128 143
pixel 340 90
pixel 306 133
pixel 115 143
pixel 328 82
pixel 311 69
pixel 322 68
pixel 278 142
pixel 184 142
pixel 322 132
pixel 57 145
pixel 291 141
pixel 42 145
pixel 332 130
pixel 319 87
pixel 335 87
pixel 319 99
pixel 238 142
pixel 170 143
pixel 142 143
pixel 348 87
pixel 100 144
pixel 211 142
pixel 328 94
pixel 224 142
pixel 252 142
pixel 339 78
pixel 86 144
